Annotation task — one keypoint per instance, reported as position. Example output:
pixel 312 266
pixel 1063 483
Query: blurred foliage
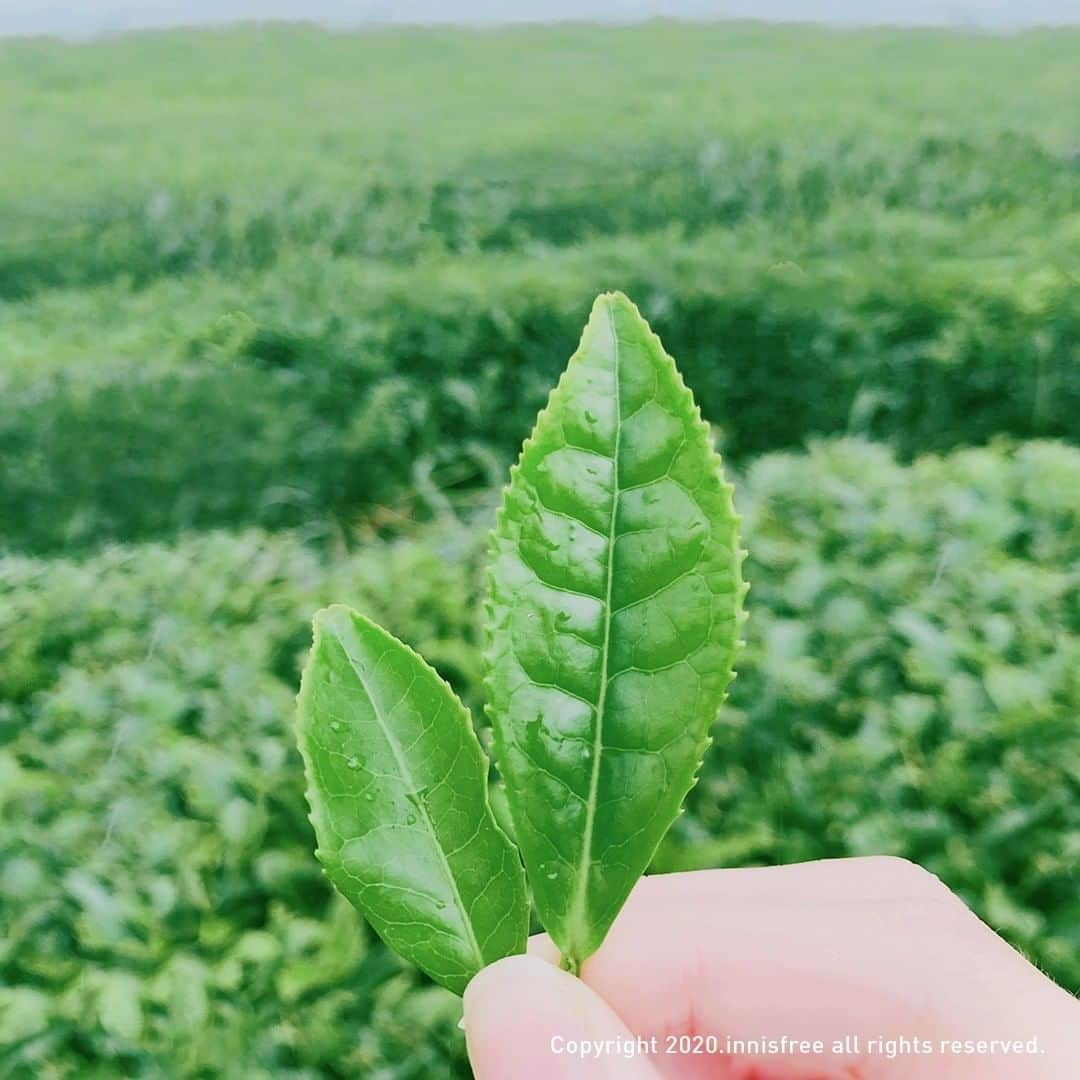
pixel 300 109
pixel 323 393
pixel 553 198
pixel 278 279
pixel 265 277
pixel 910 686
pixel 161 910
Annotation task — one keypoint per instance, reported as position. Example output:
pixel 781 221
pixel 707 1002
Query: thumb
pixel 526 1019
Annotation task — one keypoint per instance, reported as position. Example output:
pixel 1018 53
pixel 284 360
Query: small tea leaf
pixel 615 610
pixel 397 785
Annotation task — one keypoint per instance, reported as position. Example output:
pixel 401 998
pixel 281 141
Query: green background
pixel 277 308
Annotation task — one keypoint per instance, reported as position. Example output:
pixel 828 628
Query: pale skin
pixel 873 947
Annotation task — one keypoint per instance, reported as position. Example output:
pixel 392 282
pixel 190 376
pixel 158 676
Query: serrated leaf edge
pixel 739 554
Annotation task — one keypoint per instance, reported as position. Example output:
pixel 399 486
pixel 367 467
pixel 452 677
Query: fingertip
pixel 511 974
pixel 512 1009
pixel 523 1015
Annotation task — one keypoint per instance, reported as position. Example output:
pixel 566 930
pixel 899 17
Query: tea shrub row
pixel 551 197
pixel 324 392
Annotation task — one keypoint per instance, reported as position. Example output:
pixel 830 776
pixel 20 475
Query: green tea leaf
pixel 615 609
pixel 397 785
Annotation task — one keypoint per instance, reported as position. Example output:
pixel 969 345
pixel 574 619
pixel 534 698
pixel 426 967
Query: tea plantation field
pixel 277 308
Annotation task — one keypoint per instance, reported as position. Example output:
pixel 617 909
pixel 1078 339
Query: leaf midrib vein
pixel 421 806
pixel 579 903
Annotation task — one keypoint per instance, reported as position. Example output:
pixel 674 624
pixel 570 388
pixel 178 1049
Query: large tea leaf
pixel 397 785
pixel 615 609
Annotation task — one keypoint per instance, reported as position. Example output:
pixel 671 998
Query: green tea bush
pixel 160 913
pixel 394 149
pixel 911 680
pixel 322 392
pixel 86 459
pixel 870 232
pixel 909 687
pixel 552 197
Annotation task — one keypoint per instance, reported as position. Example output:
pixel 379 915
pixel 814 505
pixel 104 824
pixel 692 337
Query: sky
pixel 91 17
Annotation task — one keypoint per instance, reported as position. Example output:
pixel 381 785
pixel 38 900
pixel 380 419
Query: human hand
pixel 862 949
